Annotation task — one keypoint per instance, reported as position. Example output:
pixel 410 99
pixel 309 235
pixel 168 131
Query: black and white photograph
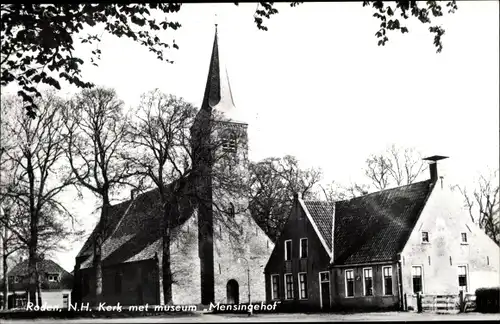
pixel 250 162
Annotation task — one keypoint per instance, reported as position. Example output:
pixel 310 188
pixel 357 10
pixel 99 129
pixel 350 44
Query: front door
pixel 233 292
pixel 324 290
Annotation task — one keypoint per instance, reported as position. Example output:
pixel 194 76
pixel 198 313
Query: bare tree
pixel 483 204
pixel 160 138
pixel 395 167
pixel 96 129
pixel 334 191
pixel 179 153
pixel 273 182
pixel 33 177
pixel 10 245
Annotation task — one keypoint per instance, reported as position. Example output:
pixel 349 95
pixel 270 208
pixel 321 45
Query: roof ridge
pixel 387 190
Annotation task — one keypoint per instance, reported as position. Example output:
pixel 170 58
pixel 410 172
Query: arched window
pixel 229 141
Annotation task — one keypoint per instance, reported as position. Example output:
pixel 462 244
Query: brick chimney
pixel 433 166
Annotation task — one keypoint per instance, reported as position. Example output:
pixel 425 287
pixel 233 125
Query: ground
pixel 389 316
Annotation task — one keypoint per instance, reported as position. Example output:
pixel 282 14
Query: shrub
pixel 487 300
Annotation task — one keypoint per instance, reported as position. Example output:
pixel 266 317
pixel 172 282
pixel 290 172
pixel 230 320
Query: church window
pixel 229 141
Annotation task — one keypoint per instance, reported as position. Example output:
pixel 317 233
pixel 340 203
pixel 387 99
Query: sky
pixel 317 86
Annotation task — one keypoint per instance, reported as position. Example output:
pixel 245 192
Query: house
pixel 56 285
pixel 217 254
pixel 379 250
pixel 297 271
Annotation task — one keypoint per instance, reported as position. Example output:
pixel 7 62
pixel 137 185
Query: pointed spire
pixel 218 93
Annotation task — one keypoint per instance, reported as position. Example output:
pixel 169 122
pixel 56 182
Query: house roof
pixel 375 227
pixel 321 214
pixel 137 234
pixel 45 267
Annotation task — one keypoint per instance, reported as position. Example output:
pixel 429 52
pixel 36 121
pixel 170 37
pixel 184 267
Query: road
pixel 211 318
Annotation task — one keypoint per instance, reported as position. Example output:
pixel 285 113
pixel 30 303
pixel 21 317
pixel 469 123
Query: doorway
pixel 233 292
pixel 324 290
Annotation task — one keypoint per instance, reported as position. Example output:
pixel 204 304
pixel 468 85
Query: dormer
pixel 53 277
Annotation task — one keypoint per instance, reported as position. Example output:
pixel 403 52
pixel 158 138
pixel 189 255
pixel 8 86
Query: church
pixel 217 250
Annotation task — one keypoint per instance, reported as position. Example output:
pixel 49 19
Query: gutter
pixel 400 285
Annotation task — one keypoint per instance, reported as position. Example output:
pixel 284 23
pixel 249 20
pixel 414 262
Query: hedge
pixel 488 300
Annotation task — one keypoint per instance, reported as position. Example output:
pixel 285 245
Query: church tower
pixel 225 227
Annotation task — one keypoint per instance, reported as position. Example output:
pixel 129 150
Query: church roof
pixel 370 228
pixel 218 93
pixel 137 234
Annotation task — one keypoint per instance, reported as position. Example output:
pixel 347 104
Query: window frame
pixel 273 297
pixel 305 285
pixel 288 257
pixel 52 277
pixel 422 237
pixel 229 141
pixel 462 238
pixel 301 251
pixel 421 278
pixel 364 282
pixel 290 275
pixel 466 277
pixel 346 281
pixel 384 290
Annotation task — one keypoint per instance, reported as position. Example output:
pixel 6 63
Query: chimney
pixel 132 194
pixel 296 196
pixel 433 166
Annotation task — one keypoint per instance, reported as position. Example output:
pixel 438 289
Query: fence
pixel 446 304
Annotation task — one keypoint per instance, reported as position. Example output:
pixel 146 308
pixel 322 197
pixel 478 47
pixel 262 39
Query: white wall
pixel 444 218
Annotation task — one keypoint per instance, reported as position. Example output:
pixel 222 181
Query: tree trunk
pixel 5 278
pixel 32 273
pixel 39 288
pixel 98 243
pixel 166 265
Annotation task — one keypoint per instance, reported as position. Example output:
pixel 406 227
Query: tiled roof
pixel 375 227
pixel 137 234
pixel 321 213
pixel 45 267
pixel 114 215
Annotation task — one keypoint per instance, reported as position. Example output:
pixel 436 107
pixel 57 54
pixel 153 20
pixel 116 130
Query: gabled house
pixel 386 247
pixel 217 253
pixel 55 285
pixel 297 271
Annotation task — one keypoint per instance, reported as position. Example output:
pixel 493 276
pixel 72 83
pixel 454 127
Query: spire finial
pixel 216 22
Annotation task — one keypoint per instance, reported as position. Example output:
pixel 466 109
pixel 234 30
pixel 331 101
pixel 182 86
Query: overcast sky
pixel 317 86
